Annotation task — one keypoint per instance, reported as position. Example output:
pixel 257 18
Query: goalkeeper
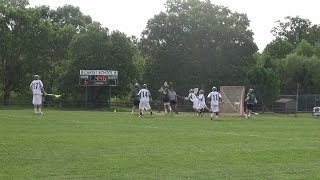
pixel 251 100
pixel 135 97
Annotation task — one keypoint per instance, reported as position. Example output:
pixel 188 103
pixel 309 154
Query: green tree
pixel 302 70
pixel 304 48
pixel 124 57
pixel 202 43
pixel 69 15
pixel 317 49
pixel 293 29
pixel 313 36
pixel 67 22
pixel 14 3
pixel 24 40
pixel 278 48
pixel 94 48
pixel 267 84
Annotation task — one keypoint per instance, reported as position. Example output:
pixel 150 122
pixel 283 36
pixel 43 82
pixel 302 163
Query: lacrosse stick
pixel 55 95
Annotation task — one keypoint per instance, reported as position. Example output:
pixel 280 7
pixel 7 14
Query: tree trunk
pixel 8 86
pixel 7 96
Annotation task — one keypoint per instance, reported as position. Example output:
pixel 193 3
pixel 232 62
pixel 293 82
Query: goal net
pixel 233 100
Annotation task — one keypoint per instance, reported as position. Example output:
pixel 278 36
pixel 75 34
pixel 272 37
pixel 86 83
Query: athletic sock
pixel 35 111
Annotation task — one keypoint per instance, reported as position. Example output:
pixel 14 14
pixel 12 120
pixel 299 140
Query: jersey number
pixel 215 97
pixel 36 85
pixel 144 94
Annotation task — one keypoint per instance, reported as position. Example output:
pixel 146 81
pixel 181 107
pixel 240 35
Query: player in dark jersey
pixel 135 97
pixel 251 100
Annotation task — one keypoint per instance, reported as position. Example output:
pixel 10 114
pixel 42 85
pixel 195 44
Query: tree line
pixel 192 44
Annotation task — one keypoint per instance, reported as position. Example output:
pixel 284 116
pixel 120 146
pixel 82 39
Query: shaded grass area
pixel 107 145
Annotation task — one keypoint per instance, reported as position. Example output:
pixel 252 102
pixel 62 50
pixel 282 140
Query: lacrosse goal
pixel 233 100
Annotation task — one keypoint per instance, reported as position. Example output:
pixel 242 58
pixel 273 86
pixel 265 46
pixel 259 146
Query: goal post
pixel 233 100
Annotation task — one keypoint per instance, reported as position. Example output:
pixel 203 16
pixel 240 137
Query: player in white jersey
pixel 145 97
pixel 193 98
pixel 215 98
pixel 37 89
pixel 202 102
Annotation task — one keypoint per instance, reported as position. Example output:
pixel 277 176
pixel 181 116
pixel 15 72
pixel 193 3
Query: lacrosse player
pixel 215 98
pixel 135 96
pixel 166 99
pixel 202 102
pixel 173 99
pixel 37 89
pixel 145 97
pixel 193 98
pixel 251 100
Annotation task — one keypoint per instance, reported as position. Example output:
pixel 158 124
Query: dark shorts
pixel 136 102
pixel 165 100
pixel 173 102
pixel 250 106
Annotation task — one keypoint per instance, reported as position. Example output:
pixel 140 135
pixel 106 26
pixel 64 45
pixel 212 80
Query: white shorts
pixel 215 108
pixel 203 106
pixel 37 99
pixel 196 105
pixel 144 105
pixel 166 103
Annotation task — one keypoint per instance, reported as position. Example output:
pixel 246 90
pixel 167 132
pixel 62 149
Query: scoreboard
pixel 98 78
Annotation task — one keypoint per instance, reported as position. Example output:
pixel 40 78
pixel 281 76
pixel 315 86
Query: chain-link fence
pixel 305 103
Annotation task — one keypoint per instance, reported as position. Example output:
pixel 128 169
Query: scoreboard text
pixel 98 78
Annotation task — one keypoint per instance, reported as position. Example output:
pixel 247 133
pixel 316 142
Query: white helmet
pixel 191 91
pixel 36 76
pixel 251 90
pixel 145 85
pixel 136 84
pixel 214 88
pixel 201 91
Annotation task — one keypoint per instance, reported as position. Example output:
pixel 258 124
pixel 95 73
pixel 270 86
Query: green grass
pixel 108 145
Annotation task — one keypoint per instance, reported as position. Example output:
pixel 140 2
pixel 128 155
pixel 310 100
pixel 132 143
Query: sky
pixel 131 16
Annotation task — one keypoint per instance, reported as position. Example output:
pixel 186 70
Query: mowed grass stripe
pixel 107 145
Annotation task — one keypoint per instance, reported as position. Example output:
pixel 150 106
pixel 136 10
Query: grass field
pixel 108 145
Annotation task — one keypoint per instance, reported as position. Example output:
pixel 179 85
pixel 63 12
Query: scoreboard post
pixel 107 78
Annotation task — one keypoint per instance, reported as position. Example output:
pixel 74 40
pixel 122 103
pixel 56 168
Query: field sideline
pixel 109 145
